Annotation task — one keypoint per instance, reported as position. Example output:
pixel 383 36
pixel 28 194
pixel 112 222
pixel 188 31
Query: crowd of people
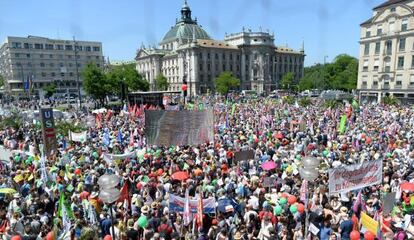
pixel 57 196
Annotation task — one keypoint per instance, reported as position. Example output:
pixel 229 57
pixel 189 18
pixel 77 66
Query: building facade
pixel 42 61
pixel 386 63
pixel 187 55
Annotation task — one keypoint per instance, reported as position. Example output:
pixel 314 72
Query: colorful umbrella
pixel 181 176
pixel 407 186
pixel 7 190
pixel 269 165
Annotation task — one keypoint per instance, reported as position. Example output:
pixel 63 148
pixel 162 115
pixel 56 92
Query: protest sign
pixel 109 158
pixel 166 128
pixel 177 204
pixel 48 131
pixel 243 155
pixel 369 223
pixel 356 176
pixel 269 182
pixel 388 201
pixel 77 137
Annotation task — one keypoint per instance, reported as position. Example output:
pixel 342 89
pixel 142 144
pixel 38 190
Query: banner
pixel 342 125
pixel 177 204
pixel 77 137
pixel 109 158
pixel 244 155
pixel 166 128
pixel 172 107
pixel 48 131
pixel 356 176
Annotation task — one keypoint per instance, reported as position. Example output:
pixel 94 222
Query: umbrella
pixel 7 190
pixel 181 176
pixel 407 186
pixel 269 165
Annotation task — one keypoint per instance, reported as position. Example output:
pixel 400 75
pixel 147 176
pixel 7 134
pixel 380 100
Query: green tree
pixel 95 82
pixel 225 81
pixel 1 81
pixel 287 81
pixel 128 75
pixel 161 82
pixel 50 89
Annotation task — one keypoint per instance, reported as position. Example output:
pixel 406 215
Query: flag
pixel 64 208
pixel 187 214
pixel 119 137
pixel 369 223
pixel 303 191
pixel 131 139
pixel 200 211
pixel 27 84
pixel 357 203
pixel 233 109
pixel 379 231
pixel 106 140
pixel 124 196
pixel 227 120
pixel 31 83
pixel 98 118
pixel 125 109
pixel 342 125
pixel 108 115
pixel 200 107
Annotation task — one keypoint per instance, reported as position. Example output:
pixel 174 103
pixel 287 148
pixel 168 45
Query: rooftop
pixel 388 3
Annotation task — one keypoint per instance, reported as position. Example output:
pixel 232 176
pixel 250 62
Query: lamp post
pixel 309 172
pixel 77 72
pixel 324 69
pixel 109 193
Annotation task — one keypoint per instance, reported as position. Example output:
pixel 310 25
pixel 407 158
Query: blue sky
pixel 328 27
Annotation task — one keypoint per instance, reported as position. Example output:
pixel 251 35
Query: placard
pixel 48 131
pixel 269 182
pixel 178 128
pixel 244 155
pixel 388 201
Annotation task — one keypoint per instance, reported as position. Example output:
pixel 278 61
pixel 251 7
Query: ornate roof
pixel 186 28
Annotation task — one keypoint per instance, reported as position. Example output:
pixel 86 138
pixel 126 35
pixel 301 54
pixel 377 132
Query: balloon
pixel 293 209
pixel 301 208
pixel 283 201
pixel 17 158
pixel 109 195
pixel 107 181
pixel 107 237
pixel 325 153
pixel 184 87
pixel 16 237
pixel 309 174
pixel 291 199
pixel 143 221
pixel 369 235
pixel 95 155
pixel 49 236
pixel 277 210
pixel 310 162
pixel 77 171
pixel 298 157
pixel 355 235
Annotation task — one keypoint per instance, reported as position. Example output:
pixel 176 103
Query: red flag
pixel 98 120
pixel 131 139
pixel 200 211
pixel 108 115
pixel 129 108
pixel 125 195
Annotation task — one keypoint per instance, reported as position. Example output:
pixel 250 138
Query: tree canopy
pixel 161 82
pixel 95 83
pixel 225 81
pixel 341 74
pixel 50 89
pixel 287 81
pixel 128 75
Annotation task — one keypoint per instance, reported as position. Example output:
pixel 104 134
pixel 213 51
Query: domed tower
pixel 185 30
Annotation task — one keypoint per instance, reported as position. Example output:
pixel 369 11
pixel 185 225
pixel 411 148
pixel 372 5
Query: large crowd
pixel 57 197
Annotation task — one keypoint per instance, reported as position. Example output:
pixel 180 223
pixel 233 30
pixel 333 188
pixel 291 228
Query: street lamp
pixel 109 193
pixel 309 172
pixel 324 69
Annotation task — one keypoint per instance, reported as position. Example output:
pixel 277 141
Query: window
pixel 88 48
pixel 41 55
pixel 79 65
pixel 69 56
pixel 404 25
pixel 216 56
pixel 238 57
pixel 368 33
pixel 96 57
pixel 392 9
pixel 366 49
pixel 365 66
pixel 16 45
pixel 71 74
pixel 88 57
pixel 62 74
pixel 38 46
pixel 376 64
pixel 216 67
pixel 42 64
pixel 28 55
pixel 99 65
pixel 208 67
pixel 68 47
pixel 61 65
pixel 224 56
pixel 379 30
pixel 412 61
pixel 377 47
pixel 28 46
pixel 17 55
pixel 96 49
pixel 50 56
pixel 59 47
pixel 53 74
pixel 208 55
pixel 49 46
pixel 78 48
pixel 224 67
pixel 70 64
pixel 375 83
pixel 402 44
pixel 398 81
pixel 29 64
pixel 388 46
pixel 51 64
pixel 400 62
pixel 412 80
pixel 43 74
pixel 200 67
pixel 231 56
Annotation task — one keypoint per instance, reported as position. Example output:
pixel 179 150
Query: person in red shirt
pixel 229 156
pixel 267 212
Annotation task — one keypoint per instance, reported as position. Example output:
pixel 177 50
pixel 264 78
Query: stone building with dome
pixel 188 55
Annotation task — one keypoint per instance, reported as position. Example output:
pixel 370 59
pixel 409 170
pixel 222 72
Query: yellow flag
pixel 18 178
pixel 369 223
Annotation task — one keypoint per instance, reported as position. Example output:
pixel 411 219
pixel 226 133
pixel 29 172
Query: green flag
pixel 233 109
pixel 64 206
pixel 342 125
pixel 190 106
pixel 200 107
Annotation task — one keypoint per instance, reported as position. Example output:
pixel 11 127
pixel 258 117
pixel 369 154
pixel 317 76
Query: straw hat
pixel 237 236
pixel 145 209
pixel 154 205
